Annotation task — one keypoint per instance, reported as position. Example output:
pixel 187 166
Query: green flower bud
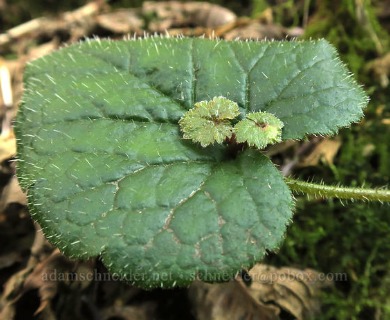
pixel 259 129
pixel 209 121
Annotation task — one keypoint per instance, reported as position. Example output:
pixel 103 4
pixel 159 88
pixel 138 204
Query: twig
pixel 44 25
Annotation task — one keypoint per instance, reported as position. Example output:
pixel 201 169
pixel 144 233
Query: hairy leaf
pixel 209 121
pixel 108 171
pixel 259 129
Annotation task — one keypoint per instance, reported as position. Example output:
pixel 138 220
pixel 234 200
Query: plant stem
pixel 325 191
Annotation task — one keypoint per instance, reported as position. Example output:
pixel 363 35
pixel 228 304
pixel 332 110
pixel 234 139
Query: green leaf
pixel 108 171
pixel 208 121
pixel 259 129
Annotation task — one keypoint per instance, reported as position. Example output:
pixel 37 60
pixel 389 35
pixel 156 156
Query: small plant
pixel 209 122
pixel 146 152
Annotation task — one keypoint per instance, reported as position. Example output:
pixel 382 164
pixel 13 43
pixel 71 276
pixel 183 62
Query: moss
pixel 351 238
pixel 258 7
pixel 352 28
pixel 337 239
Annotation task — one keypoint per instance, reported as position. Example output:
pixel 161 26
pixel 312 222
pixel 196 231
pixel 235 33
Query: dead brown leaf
pixel 381 69
pixel 46 276
pixel 12 193
pixel 293 290
pixel 256 30
pixel 8 259
pixel 15 225
pixel 54 271
pixel 228 301
pixel 42 50
pixel 121 21
pixel 174 14
pixel 7 146
pixel 14 287
pixel 142 312
pixel 325 151
pixel 36 280
pixel 79 22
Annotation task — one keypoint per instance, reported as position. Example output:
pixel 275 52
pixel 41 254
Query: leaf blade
pixel 101 117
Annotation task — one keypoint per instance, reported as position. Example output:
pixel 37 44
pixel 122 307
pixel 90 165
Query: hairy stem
pixel 325 191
